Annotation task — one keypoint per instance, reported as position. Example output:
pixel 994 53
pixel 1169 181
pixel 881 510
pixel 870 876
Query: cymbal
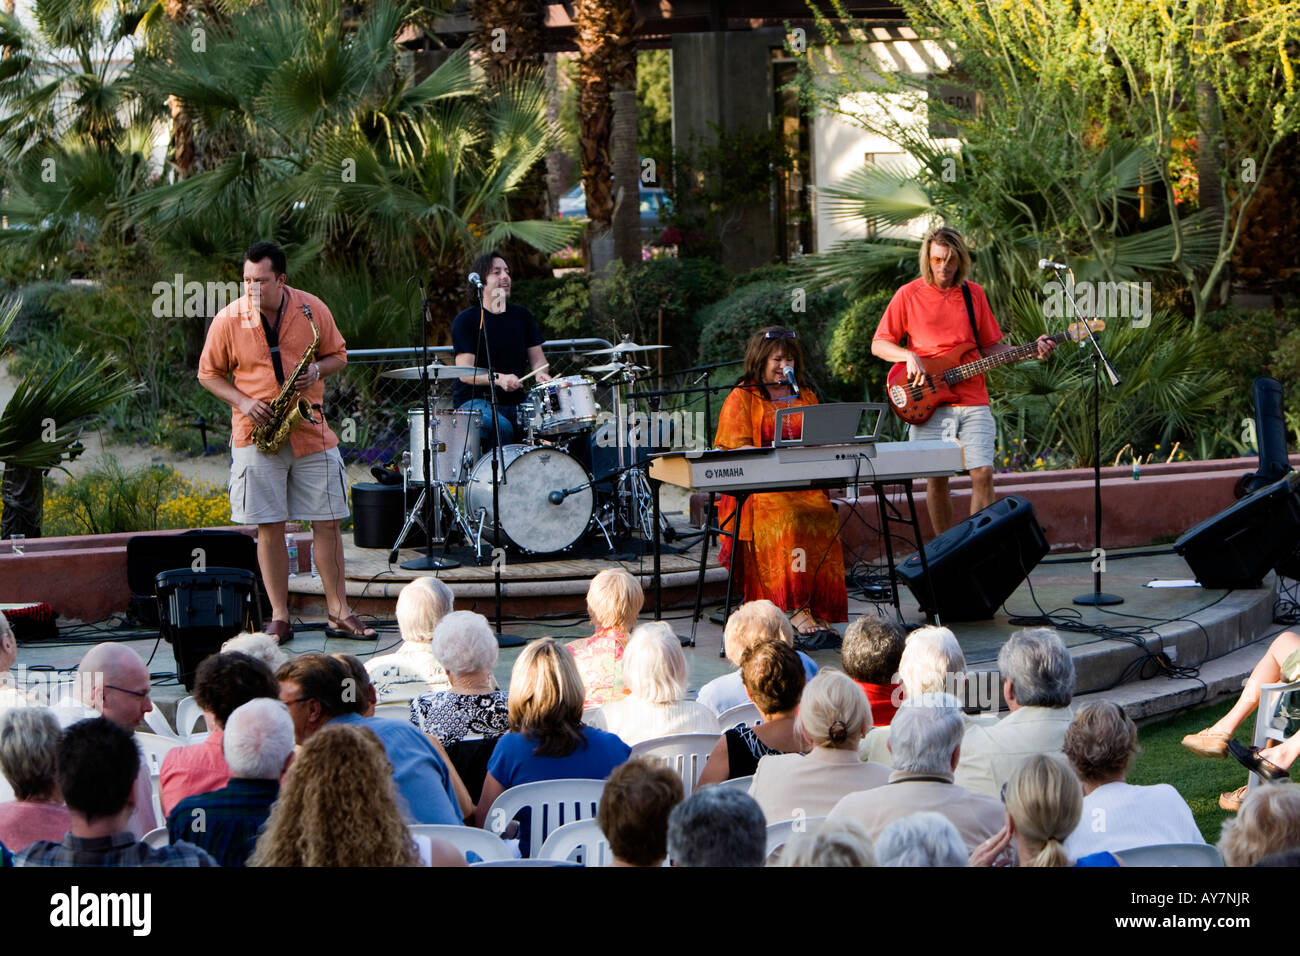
pixel 626 346
pixel 436 370
pixel 616 367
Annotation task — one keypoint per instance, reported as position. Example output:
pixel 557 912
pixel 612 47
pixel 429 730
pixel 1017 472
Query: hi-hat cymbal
pixel 626 346
pixel 436 370
pixel 615 367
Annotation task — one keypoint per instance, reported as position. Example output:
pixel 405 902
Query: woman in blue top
pixel 547 738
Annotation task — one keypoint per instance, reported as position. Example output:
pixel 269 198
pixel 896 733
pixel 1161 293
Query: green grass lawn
pixel 1199 779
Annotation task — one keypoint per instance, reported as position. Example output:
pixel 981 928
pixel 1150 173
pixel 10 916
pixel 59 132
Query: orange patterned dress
pixel 790 551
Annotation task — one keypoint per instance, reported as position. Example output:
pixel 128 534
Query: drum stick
pixel 540 368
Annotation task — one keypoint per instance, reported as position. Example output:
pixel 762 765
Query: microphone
pixel 474 280
pixel 557 497
pixel 790 379
pixel 1049 264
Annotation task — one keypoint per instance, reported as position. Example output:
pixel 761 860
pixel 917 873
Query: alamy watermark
pixel 1101 300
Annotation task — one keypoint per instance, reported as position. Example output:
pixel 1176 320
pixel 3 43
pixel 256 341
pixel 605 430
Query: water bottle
pixel 315 573
pixel 291 545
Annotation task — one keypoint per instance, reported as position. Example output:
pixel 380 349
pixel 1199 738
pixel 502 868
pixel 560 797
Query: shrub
pixel 109 499
pixel 849 355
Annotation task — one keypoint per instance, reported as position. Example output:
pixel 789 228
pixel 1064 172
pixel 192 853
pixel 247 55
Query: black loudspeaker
pixel 976 565
pixel 199 610
pixel 378 512
pixel 1238 546
pixel 148 555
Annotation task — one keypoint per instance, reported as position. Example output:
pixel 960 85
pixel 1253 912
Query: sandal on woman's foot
pixel 804 623
pixel 351 628
pixel 282 631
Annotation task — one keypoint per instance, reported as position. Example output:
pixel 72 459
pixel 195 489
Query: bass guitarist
pixel 937 313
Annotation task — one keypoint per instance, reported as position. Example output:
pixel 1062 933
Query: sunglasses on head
pixel 779 334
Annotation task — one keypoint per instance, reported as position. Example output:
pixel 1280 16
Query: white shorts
pixel 969 425
pixel 265 489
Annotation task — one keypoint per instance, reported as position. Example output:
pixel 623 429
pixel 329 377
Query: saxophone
pixel 289 407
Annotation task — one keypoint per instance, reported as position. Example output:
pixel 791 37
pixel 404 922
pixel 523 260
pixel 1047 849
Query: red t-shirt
pixel 934 321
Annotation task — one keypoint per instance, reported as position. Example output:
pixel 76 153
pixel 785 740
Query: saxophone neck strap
pixel 273 338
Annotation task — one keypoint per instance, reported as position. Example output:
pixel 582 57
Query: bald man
pixel 113 682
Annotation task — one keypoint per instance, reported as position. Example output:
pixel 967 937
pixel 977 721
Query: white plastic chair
pixel 485 843
pixel 553 803
pixel 526 863
pixel 400 712
pixel 153 748
pixel 740 714
pixel 685 755
pixel 157 838
pixel 584 835
pixel 1269 724
pixel 737 783
pixel 158 724
pixel 188 713
pixel 779 834
pixel 1172 854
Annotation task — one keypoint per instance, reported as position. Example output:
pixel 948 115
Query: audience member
pixel 932 662
pixel 774 679
pixel 11 695
pixel 832 844
pixel 1267 823
pixel 614 599
pixel 926 740
pixel 221 683
pixel 315 688
pixel 258 746
pixel 1038 683
pixel 1280 664
pixel 872 650
pixel 547 738
pixel 29 746
pixel 717 826
pixel 921 839
pixel 833 716
pixel 1117 815
pixel 654 672
pixel 414 669
pixel 470 716
pixel 113 682
pixel 634 809
pixel 750 624
pixel 98 762
pixel 1044 802
pixel 473 706
pixel 338 806
pixel 256 644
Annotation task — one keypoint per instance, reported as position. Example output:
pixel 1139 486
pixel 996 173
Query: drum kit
pixel 549 497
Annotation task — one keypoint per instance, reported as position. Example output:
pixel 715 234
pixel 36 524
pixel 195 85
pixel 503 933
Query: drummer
pixel 510 335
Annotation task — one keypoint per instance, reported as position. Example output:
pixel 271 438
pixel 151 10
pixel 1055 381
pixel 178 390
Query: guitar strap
pixel 970 314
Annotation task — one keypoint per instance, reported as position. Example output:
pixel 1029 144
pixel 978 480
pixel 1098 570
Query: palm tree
pixel 40 425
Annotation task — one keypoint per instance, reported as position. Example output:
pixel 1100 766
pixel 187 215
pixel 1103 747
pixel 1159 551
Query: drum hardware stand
pixel 431 519
pixel 416 515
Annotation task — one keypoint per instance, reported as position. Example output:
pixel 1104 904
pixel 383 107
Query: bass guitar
pixel 915 404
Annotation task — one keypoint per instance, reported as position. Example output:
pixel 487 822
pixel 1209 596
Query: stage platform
pixel 1162 649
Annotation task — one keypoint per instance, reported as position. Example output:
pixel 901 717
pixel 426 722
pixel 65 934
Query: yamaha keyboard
pixel 792 467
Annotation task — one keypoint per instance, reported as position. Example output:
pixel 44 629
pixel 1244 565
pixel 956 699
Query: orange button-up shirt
pixel 237 345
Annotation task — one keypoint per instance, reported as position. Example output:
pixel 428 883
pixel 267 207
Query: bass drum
pixel 528 518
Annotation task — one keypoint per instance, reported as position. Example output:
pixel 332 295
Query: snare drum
pixel 529 519
pixel 454 439
pixel 564 405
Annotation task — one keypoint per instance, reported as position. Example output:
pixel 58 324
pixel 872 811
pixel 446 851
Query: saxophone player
pixel 257 355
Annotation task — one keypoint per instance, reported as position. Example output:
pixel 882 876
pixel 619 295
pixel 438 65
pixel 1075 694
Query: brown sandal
pixel 282 631
pixel 351 628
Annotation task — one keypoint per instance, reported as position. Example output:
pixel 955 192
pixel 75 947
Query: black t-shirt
pixel 510 335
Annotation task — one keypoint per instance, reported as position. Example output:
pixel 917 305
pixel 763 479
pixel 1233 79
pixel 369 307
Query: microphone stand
pixel 498 474
pixel 1096 597
pixel 431 528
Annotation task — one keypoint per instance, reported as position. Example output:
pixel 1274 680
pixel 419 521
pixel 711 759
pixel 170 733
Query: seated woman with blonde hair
pixel 1268 823
pixel 750 624
pixel 614 599
pixel 833 716
pixel 654 670
pixel 547 738
pixel 412 670
pixel 1044 802
pixel 773 676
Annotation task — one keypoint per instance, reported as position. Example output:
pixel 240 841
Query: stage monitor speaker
pixel 199 610
pixel 148 555
pixel 1239 545
pixel 976 565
